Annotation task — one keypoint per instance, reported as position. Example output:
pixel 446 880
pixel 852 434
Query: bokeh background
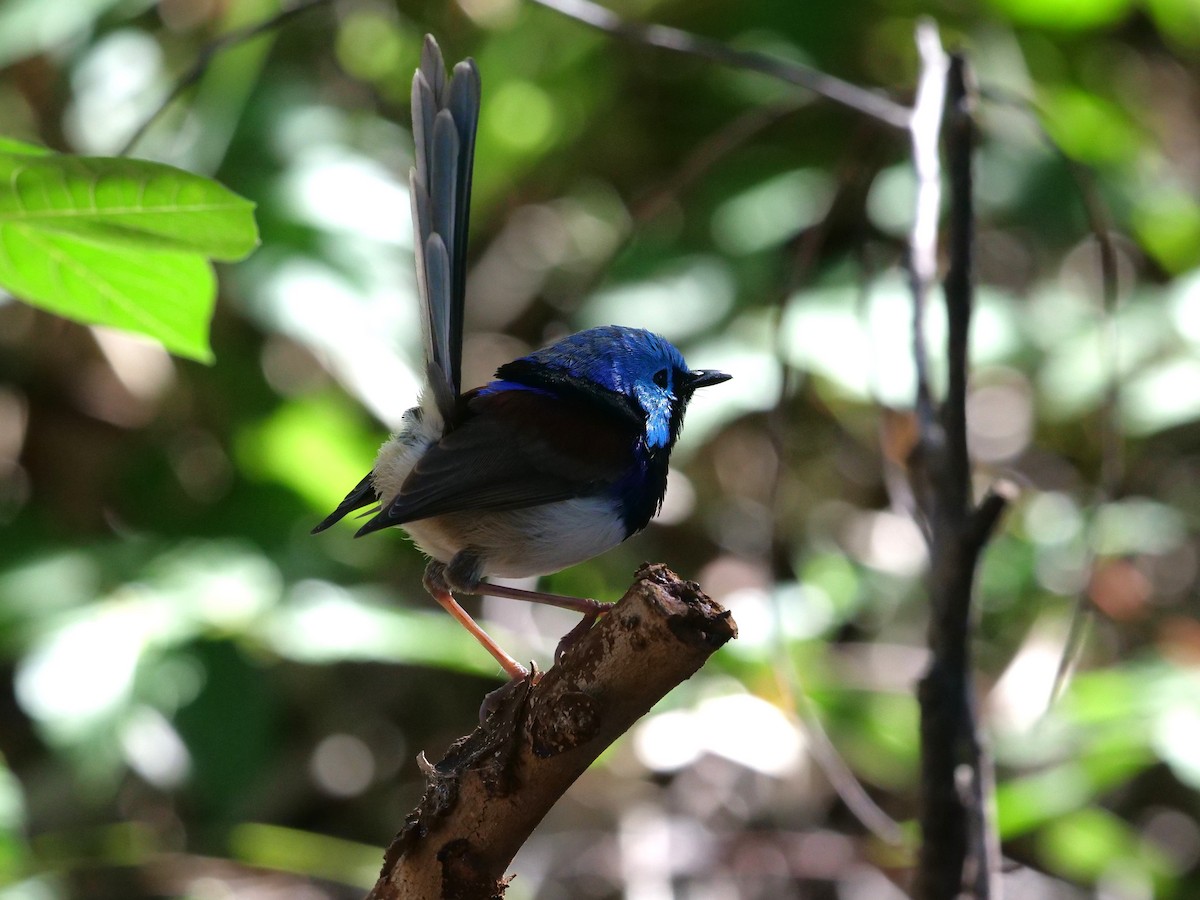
pixel 200 700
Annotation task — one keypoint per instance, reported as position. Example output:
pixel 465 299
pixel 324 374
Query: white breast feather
pixel 420 428
pixel 518 543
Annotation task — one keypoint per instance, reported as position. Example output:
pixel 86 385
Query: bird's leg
pixel 435 583
pixel 591 609
pixel 462 575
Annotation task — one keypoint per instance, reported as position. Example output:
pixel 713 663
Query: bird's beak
pixel 705 377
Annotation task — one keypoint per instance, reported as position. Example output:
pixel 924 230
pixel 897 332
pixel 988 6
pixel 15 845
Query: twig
pixel 840 776
pixel 207 54
pixel 1112 455
pixel 1112 451
pixel 959 851
pixel 869 103
pixel 708 153
pixel 493 787
pixel 1099 218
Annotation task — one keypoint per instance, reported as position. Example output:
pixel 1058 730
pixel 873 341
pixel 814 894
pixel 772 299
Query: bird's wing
pixel 516 449
pixel 445 116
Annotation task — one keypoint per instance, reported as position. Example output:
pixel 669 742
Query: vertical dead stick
pixel 493 787
pixel 925 127
pixel 958 851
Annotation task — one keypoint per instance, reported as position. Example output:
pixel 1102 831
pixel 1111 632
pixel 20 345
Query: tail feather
pixel 362 495
pixel 464 106
pixel 437 277
pixel 445 120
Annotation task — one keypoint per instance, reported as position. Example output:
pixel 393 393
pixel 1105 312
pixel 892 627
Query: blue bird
pixel 560 458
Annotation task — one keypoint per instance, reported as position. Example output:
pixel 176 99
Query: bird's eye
pixel 660 378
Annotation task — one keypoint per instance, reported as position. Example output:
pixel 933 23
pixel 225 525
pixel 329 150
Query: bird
pixel 559 458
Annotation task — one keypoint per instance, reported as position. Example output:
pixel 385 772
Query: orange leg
pixel 591 609
pixel 583 605
pixel 443 596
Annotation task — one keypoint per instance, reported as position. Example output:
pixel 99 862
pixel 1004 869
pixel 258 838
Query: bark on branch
pixel 493 787
pixel 959 853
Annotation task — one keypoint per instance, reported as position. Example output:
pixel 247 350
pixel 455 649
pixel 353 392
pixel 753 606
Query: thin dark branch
pixel 987 515
pixel 958 286
pixel 959 851
pixel 867 102
pixel 842 779
pixel 960 138
pixel 1099 217
pixel 1112 448
pixel 708 153
pixel 1076 632
pixel 1112 459
pixel 652 203
pixel 208 53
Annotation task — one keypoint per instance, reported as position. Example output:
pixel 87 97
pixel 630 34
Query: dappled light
pixel 204 700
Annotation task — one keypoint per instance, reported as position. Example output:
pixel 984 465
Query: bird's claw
pixel 496 699
pixel 572 637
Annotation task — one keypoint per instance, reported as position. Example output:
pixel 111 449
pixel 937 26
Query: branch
pixel 869 103
pixel 493 787
pixel 840 776
pixel 959 853
pixel 1112 449
pixel 1099 218
pixel 712 150
pixel 205 57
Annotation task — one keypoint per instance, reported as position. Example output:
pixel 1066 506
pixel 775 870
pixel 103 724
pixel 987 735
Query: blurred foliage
pixel 202 700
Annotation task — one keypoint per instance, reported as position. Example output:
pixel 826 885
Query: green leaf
pixel 1067 15
pixel 312 445
pixel 1167 222
pixel 125 201
pixel 1092 842
pixel 162 294
pixel 1089 127
pixel 12 145
pixel 119 242
pixel 305 853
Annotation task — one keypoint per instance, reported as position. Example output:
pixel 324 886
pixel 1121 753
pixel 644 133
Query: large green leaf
pixel 118 242
pixel 127 201
pixel 163 294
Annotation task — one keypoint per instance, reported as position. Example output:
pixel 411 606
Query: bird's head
pixel 640 371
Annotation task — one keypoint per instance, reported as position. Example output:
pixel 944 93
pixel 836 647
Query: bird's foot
pixel 497 699
pixel 572 637
pixel 585 605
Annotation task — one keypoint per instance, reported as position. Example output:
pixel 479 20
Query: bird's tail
pixel 445 116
